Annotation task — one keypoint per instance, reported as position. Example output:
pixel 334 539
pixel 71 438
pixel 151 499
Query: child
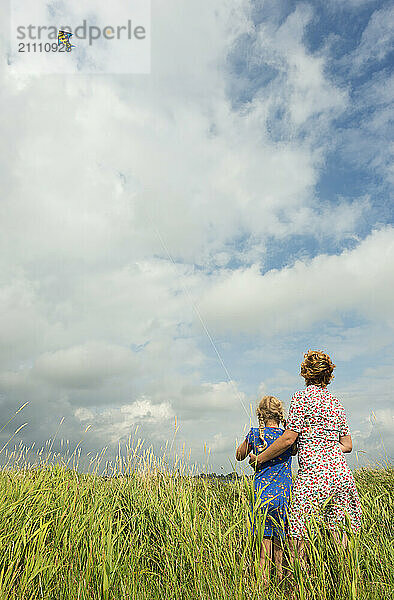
pixel 272 481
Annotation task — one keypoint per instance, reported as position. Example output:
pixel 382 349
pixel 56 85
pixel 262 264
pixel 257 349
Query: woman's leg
pixel 265 559
pixel 340 540
pixel 334 517
pixel 298 550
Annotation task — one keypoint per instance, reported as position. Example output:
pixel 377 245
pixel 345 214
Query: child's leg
pixel 278 557
pixel 265 559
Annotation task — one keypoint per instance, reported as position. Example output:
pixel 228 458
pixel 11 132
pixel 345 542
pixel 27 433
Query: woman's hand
pixel 345 443
pixel 281 444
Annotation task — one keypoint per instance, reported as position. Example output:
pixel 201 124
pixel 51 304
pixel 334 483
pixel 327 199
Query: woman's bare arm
pixel 283 442
pixel 294 448
pixel 345 443
pixel 243 450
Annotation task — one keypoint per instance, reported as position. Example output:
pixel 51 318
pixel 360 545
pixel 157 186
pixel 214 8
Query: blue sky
pixel 249 174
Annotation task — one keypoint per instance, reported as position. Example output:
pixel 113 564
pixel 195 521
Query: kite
pixel 63 37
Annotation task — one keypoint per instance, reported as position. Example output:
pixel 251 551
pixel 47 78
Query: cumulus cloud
pixel 115 424
pixel 85 366
pixel 229 158
pixel 221 443
pixel 352 4
pixel 368 143
pixel 375 442
pixel 84 414
pixel 376 40
pixel 297 297
pixel 199 161
pixel 210 397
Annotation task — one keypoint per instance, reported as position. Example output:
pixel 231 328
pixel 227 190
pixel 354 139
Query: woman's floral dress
pixel 324 476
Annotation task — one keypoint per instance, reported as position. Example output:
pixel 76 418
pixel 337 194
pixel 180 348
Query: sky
pixel 173 242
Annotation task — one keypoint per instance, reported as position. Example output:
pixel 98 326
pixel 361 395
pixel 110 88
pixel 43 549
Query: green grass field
pixel 67 535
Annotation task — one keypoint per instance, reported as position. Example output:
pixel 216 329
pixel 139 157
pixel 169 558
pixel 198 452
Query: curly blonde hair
pixel 317 368
pixel 268 408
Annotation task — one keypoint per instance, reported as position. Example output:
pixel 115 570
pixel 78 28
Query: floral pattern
pixel 324 476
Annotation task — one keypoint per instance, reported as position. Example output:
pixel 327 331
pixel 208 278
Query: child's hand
pixel 253 460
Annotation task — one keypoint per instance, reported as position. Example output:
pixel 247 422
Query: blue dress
pixel 272 484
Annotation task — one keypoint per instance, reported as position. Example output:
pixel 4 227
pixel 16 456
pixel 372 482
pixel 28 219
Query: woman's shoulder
pixel 336 402
pixel 298 395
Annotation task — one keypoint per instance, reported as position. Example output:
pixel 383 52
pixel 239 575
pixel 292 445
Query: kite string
pixel 185 289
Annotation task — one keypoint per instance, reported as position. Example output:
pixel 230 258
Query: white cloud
pixel 83 275
pixel 376 40
pixel 85 366
pixel 221 443
pixel 116 423
pixel 351 4
pixel 210 397
pixel 368 143
pixel 375 442
pixel 228 157
pixel 296 298
pixel 311 93
pixel 84 414
pixel 377 91
pixel 21 318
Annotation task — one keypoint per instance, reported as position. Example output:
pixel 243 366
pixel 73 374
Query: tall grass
pixel 154 532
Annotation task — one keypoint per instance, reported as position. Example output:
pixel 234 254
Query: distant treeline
pixel 211 476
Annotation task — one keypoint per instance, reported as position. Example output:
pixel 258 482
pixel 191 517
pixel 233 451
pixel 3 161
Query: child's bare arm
pixel 243 450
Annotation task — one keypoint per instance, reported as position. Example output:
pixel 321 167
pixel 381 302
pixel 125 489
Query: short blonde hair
pixel 268 408
pixel 317 368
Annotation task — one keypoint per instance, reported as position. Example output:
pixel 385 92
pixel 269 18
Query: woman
pixel 318 421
